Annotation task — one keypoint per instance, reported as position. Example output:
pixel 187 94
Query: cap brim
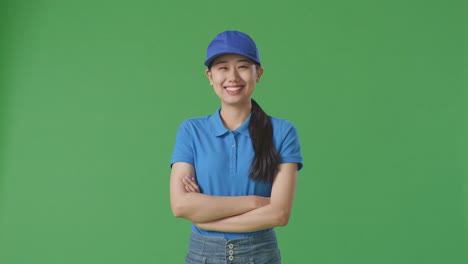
pixel 213 57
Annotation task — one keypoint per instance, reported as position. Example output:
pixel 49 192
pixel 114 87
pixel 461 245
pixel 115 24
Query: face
pixel 233 78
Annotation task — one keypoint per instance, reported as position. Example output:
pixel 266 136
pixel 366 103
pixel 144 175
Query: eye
pixel 222 68
pixel 243 67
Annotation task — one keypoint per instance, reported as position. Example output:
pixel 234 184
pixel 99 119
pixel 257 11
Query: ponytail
pixel 266 159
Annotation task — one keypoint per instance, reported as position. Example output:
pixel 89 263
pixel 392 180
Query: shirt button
pixel 231 246
pixel 231 258
pixel 231 252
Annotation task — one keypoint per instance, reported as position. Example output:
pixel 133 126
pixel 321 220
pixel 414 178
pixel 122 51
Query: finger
pixel 192 189
pixel 194 186
pixel 192 183
pixel 189 188
pixel 186 184
pixel 189 179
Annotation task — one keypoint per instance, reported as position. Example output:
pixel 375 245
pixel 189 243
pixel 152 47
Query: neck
pixel 234 116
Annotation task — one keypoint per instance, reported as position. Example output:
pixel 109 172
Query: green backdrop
pixel 92 93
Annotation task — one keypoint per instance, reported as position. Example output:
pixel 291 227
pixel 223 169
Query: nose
pixel 233 75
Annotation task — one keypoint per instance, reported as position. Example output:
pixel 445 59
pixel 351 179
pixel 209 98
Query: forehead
pixel 227 58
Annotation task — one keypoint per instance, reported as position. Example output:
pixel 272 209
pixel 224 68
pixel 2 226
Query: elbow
pixel 182 211
pixel 282 218
pixel 176 213
pixel 177 210
pixel 283 221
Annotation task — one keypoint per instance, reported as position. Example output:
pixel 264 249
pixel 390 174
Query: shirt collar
pixel 219 129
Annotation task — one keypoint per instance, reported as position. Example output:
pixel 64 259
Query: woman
pixel 234 172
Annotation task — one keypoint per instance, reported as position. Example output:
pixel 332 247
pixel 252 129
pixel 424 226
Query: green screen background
pixel 92 93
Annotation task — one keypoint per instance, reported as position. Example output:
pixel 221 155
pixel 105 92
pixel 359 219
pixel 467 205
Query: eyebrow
pixel 225 61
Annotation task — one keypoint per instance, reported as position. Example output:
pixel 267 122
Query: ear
pixel 259 73
pixel 208 74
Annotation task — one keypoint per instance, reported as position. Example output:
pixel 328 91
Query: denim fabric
pixel 259 249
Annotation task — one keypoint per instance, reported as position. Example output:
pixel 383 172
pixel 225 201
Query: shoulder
pixel 283 129
pixel 281 124
pixel 281 121
pixel 199 127
pixel 195 122
pixel 287 141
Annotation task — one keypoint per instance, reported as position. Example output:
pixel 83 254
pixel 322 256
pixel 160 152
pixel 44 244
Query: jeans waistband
pixel 241 250
pixel 267 235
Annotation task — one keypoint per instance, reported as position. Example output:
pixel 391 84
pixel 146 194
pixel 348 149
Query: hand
pixel 190 184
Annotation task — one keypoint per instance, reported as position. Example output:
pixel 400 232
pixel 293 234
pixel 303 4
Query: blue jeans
pixel 259 249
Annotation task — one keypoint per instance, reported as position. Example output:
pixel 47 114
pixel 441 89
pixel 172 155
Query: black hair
pixel 266 159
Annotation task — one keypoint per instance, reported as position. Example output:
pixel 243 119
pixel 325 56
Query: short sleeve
pixel 290 149
pixel 183 149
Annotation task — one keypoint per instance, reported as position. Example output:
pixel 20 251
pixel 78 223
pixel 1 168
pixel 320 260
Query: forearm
pixel 276 213
pixel 187 201
pixel 262 218
pixel 201 208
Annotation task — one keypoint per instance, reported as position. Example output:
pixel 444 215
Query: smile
pixel 233 89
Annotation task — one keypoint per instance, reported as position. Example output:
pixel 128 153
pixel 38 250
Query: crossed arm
pixel 232 213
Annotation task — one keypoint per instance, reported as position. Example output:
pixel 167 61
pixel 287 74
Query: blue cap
pixel 232 42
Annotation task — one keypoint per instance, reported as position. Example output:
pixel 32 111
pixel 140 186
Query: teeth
pixel 232 89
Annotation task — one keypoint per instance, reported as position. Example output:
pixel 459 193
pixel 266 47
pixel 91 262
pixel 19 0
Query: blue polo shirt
pixel 222 158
